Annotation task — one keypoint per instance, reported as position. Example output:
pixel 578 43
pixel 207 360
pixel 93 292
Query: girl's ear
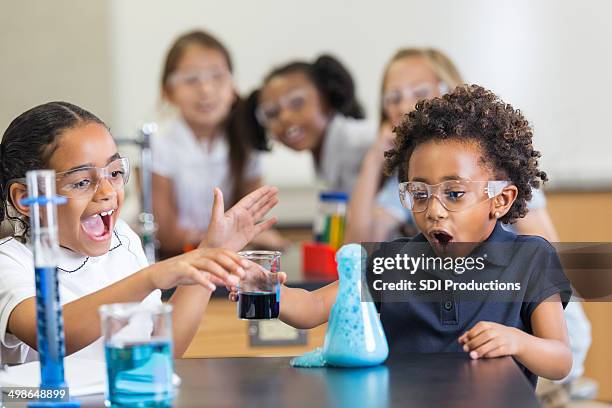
pixel 18 191
pixel 503 202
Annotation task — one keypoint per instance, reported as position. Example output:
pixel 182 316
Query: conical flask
pixel 355 337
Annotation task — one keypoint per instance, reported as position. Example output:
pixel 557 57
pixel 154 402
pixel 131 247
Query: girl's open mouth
pixel 98 227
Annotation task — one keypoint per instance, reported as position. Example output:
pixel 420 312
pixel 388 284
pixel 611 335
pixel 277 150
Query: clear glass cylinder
pixel 138 348
pixel 43 217
pixel 45 248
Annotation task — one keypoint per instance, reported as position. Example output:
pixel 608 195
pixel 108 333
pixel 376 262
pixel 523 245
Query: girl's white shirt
pixel 196 168
pixel 346 143
pixel 78 276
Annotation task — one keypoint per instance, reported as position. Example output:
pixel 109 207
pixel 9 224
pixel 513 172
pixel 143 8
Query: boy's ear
pixel 18 191
pixel 503 202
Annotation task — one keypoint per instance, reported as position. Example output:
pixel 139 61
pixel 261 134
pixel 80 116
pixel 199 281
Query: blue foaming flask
pixel 355 337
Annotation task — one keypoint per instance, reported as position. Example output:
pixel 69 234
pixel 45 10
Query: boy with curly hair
pixel 466 165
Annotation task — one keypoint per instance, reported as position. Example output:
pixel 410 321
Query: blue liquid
pixel 51 348
pixel 140 375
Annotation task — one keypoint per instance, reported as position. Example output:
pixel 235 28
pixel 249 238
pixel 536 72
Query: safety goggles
pixel 454 195
pixel 196 78
pixel 412 93
pixel 271 111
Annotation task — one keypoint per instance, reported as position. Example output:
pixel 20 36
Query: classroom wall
pixel 54 50
pixel 547 57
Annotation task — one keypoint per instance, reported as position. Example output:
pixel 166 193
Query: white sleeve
pixel 353 147
pixel 253 168
pixel 538 199
pixel 16 284
pixel 388 198
pixel 163 162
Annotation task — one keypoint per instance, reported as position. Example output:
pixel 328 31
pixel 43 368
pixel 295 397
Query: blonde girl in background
pixel 375 211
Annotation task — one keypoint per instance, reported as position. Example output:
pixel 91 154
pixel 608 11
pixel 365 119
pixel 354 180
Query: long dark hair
pixel 30 140
pixel 331 79
pixel 241 143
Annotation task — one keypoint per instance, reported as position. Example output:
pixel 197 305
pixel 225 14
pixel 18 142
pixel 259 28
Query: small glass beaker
pixel 259 290
pixel 138 348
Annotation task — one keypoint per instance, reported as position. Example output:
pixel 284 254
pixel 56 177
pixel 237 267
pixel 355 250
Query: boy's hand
pixel 490 339
pixel 237 226
pixel 206 267
pixel 255 275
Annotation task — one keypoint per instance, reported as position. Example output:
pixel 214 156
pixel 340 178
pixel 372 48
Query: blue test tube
pixel 45 247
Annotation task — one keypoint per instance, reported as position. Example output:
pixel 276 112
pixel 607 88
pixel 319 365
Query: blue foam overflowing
pixel 355 337
pixel 311 359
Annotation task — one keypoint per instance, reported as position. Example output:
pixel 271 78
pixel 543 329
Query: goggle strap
pixel 494 188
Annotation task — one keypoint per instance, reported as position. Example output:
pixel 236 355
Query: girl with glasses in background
pixel 313 107
pixel 204 146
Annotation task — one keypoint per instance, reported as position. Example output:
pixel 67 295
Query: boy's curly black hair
pixel 473 113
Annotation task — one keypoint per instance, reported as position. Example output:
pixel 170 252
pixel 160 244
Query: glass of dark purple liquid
pixel 259 290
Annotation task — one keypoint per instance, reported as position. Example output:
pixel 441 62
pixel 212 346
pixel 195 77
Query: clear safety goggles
pixel 271 111
pixel 82 183
pixel 454 195
pixel 413 93
pixel 196 78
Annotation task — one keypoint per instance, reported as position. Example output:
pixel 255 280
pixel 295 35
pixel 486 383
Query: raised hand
pixel 385 139
pixel 237 226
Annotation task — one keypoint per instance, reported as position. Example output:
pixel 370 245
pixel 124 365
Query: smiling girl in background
pixel 313 107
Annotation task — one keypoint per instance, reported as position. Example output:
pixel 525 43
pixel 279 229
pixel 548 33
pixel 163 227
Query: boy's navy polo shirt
pixel 435 326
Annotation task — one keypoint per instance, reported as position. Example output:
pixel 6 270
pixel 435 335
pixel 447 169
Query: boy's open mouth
pixel 98 226
pixel 441 237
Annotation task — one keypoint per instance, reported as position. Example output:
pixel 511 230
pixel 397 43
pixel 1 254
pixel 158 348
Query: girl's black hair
pixel 30 140
pixel 331 78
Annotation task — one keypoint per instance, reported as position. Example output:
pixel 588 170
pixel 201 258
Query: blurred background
pixel 550 58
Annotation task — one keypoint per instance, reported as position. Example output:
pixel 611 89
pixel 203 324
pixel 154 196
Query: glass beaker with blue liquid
pixel 259 290
pixel 138 347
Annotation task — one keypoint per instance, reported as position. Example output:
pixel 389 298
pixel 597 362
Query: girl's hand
pixel 385 138
pixel 490 339
pixel 237 226
pixel 254 276
pixel 202 266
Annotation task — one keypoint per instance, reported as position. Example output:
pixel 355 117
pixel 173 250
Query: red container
pixel 319 261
